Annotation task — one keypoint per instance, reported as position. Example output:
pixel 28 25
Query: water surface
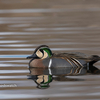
pixel 63 25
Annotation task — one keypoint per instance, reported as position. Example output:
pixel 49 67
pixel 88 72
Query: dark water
pixel 64 25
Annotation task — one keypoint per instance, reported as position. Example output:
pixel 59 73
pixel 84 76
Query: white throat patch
pixel 39 54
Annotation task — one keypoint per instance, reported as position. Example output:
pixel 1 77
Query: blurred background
pixel 63 25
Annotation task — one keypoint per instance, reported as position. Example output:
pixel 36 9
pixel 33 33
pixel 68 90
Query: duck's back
pixel 76 55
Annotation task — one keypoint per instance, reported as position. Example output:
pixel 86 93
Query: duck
pixel 71 63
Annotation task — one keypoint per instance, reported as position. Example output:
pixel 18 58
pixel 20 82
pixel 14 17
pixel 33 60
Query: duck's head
pixel 42 81
pixel 41 52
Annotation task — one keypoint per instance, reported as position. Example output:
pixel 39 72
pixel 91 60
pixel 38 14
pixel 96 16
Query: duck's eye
pixel 41 51
pixel 39 54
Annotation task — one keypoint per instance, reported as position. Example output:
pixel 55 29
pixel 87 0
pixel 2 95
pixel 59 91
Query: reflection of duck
pixel 42 81
pixel 44 64
pixel 66 63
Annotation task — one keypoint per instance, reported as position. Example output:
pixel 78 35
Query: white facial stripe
pixel 50 62
pixel 39 54
pixel 45 55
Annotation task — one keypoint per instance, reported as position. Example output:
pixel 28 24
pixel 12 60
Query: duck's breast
pixel 36 63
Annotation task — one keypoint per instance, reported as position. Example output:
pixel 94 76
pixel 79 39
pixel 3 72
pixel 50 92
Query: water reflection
pixel 42 80
pixel 42 76
pixel 65 25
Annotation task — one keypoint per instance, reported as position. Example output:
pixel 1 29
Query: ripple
pixel 13 71
pixel 62 43
pixel 38 33
pixel 21 95
pixel 17 20
pixel 12 77
pixel 20 18
pixel 17 61
pixel 20 25
pixel 61 28
pixel 10 41
pixel 9 65
pixel 55 49
pixel 29 10
pixel 20 33
pixel 45 10
pixel 32 49
pixel 16 45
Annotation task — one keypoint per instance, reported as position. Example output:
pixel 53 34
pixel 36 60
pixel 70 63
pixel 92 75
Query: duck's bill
pixel 34 56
